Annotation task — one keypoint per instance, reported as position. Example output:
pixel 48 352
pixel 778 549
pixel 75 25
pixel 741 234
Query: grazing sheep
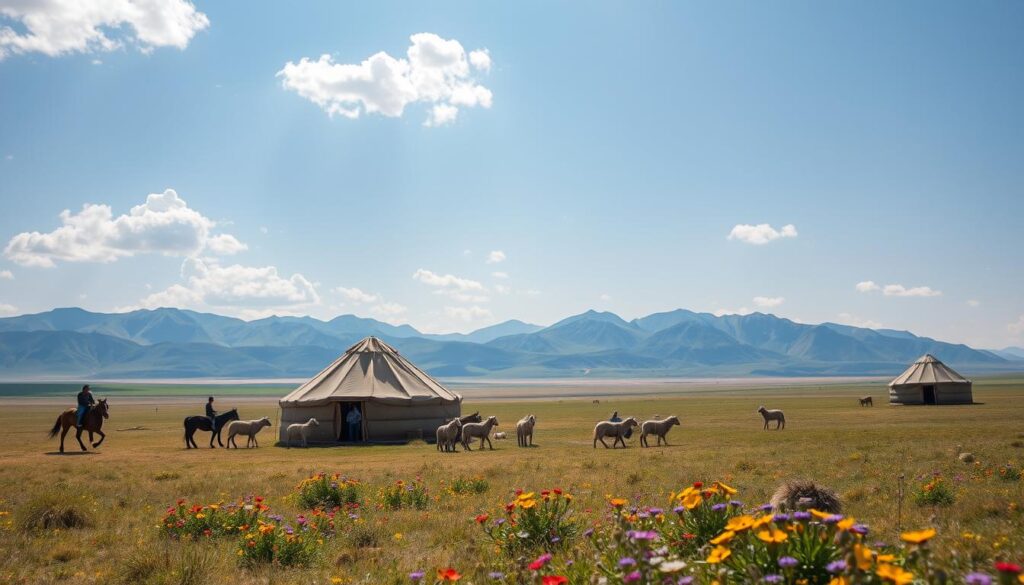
pixel 775 415
pixel 482 431
pixel 866 401
pixel 447 434
pixel 618 430
pixel 805 495
pixel 248 428
pixel 524 430
pixel 500 436
pixel 300 430
pixel 657 427
pixel 963 456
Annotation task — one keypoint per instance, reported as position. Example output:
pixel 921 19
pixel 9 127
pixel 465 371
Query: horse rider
pixel 85 401
pixel 353 419
pixel 616 418
pixel 211 414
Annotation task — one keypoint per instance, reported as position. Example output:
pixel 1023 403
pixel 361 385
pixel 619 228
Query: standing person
pixel 85 401
pixel 211 414
pixel 354 419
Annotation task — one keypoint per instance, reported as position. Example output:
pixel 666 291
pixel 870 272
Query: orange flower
pixel 728 490
pixel 723 538
pixel 862 555
pixel 773 536
pixel 481 518
pixel 846 523
pixel 618 502
pixel 918 536
pixel 718 554
pixel 691 500
pixel 839 581
pixel 819 514
pixel 897 575
pixel 553 580
pixel 739 523
pixel 448 574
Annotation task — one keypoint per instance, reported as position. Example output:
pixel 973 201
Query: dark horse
pixel 469 418
pixel 91 422
pixel 201 423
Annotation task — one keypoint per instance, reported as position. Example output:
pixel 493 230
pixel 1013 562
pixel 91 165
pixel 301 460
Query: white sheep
pixel 657 427
pixel 482 431
pixel 773 415
pixel 300 431
pixel 447 434
pixel 613 429
pixel 248 428
pixel 500 436
pixel 524 430
pixel 964 456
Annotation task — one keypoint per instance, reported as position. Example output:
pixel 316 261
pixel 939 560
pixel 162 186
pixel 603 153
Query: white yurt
pixel 371 393
pixel 929 381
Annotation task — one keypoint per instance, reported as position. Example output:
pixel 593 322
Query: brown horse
pixel 91 422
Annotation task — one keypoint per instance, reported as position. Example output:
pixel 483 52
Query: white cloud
pixel 898 290
pixel 7 310
pixel 866 286
pixel 357 296
pixel 164 224
pixel 502 289
pixel 435 71
pixel 59 27
pixel 973 303
pixel 768 302
pixel 495 257
pixel 207 283
pixel 855 321
pixel 605 297
pixel 468 314
pixel 761 233
pixel 388 312
pixel 501 275
pixel 1016 329
pixel 531 292
pixel 739 311
pixel 6 275
pixel 447 281
pixel 264 230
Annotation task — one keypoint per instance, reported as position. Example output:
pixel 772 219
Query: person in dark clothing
pixel 85 400
pixel 211 414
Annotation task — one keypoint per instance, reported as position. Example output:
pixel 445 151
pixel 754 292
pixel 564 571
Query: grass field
pixel 125 487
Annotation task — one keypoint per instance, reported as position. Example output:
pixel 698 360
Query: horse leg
pixel 489 444
pixel 100 442
pixel 63 434
pixel 215 435
pixel 78 435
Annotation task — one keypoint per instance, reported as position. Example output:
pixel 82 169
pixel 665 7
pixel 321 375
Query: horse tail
pixel 56 427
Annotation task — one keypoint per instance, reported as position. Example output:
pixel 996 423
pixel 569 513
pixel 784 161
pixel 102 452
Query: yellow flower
pixel 885 558
pixel 618 502
pixel 772 536
pixel 397 536
pixel 718 554
pixel 336 580
pixel 759 522
pixel 526 496
pixel 728 490
pixel 862 555
pixel 692 500
pixel 723 538
pixel 918 536
pixel 819 514
pixel 527 504
pixel 739 523
pixel 895 574
pixel 846 523
pixel 200 516
pixel 839 581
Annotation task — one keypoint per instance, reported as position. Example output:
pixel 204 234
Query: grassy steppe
pixel 859 452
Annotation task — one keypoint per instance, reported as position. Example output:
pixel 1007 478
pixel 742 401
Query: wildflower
pixel 918 536
pixel 627 562
pixel 336 580
pixel 527 504
pixel 801 515
pixel 540 562
pixel 772 536
pixel 417 575
pixel 642 534
pixel 634 576
pixel 1008 568
pixel 672 566
pixel 739 523
pixel 718 507
pixel 481 518
pixel 496 575
pixel 618 502
pixel 687 580
pixel 448 574
pixel 897 575
pixel 723 538
pixel 780 518
pixel 788 562
pixel 839 580
pixel 836 566
pixel 977 579
pixel 588 532
pixel 718 554
pixel 553 580
pixel 862 556
pixel 726 489
pixel 861 529
pixel 773 579
pixel 691 500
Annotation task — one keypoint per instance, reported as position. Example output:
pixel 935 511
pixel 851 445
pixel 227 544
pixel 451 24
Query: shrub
pixel 475 485
pixel 58 509
pixel 166 475
pixel 530 525
pixel 935 492
pixel 400 495
pixel 271 542
pixel 212 520
pixel 327 491
pixel 1009 473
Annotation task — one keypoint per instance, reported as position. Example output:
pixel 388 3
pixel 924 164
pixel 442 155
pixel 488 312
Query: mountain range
pixel 176 343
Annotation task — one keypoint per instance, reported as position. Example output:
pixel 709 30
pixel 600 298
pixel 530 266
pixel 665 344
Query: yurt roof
pixel 370 370
pixel 928 370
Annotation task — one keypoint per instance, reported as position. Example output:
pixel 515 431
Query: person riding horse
pixel 211 414
pixel 85 402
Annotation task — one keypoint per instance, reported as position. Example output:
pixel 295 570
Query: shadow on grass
pixel 71 453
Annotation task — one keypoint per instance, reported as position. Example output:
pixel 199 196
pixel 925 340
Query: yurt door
pixel 337 421
pixel 929 394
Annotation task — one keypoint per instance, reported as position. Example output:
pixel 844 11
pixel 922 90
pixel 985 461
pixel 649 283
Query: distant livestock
pixel 447 435
pixel 617 430
pixel 773 415
pixel 500 436
pixel 660 428
pixel 249 428
pixel 300 431
pixel 524 431
pixel 866 401
pixel 482 431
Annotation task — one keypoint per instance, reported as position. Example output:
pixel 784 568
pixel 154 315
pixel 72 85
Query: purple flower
pixel 555 539
pixel 496 575
pixel 588 532
pixel 679 509
pixel 545 558
pixel 642 534
pixel 801 515
pixel 788 562
pixel 766 508
pixel 718 507
pixel 634 576
pixel 836 566
pixel 416 575
pixel 779 518
pixel 499 521
pixel 861 529
pixel 736 504
pixel 643 515
pixel 977 579
pixel 773 579
pixel 656 511
pixel 627 562
pixel 300 520
pixel 833 519
pixel 687 580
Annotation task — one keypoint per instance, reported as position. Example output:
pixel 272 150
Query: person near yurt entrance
pixel 370 394
pixel 929 381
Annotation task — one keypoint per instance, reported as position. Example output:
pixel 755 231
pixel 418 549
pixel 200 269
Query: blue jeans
pixel 80 413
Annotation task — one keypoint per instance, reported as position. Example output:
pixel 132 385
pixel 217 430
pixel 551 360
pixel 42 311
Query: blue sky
pixel 608 151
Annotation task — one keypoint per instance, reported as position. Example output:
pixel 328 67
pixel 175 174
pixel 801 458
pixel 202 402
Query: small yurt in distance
pixel 392 398
pixel 929 381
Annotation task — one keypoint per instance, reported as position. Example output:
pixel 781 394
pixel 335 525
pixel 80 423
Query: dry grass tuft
pixel 53 509
pixel 805 495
